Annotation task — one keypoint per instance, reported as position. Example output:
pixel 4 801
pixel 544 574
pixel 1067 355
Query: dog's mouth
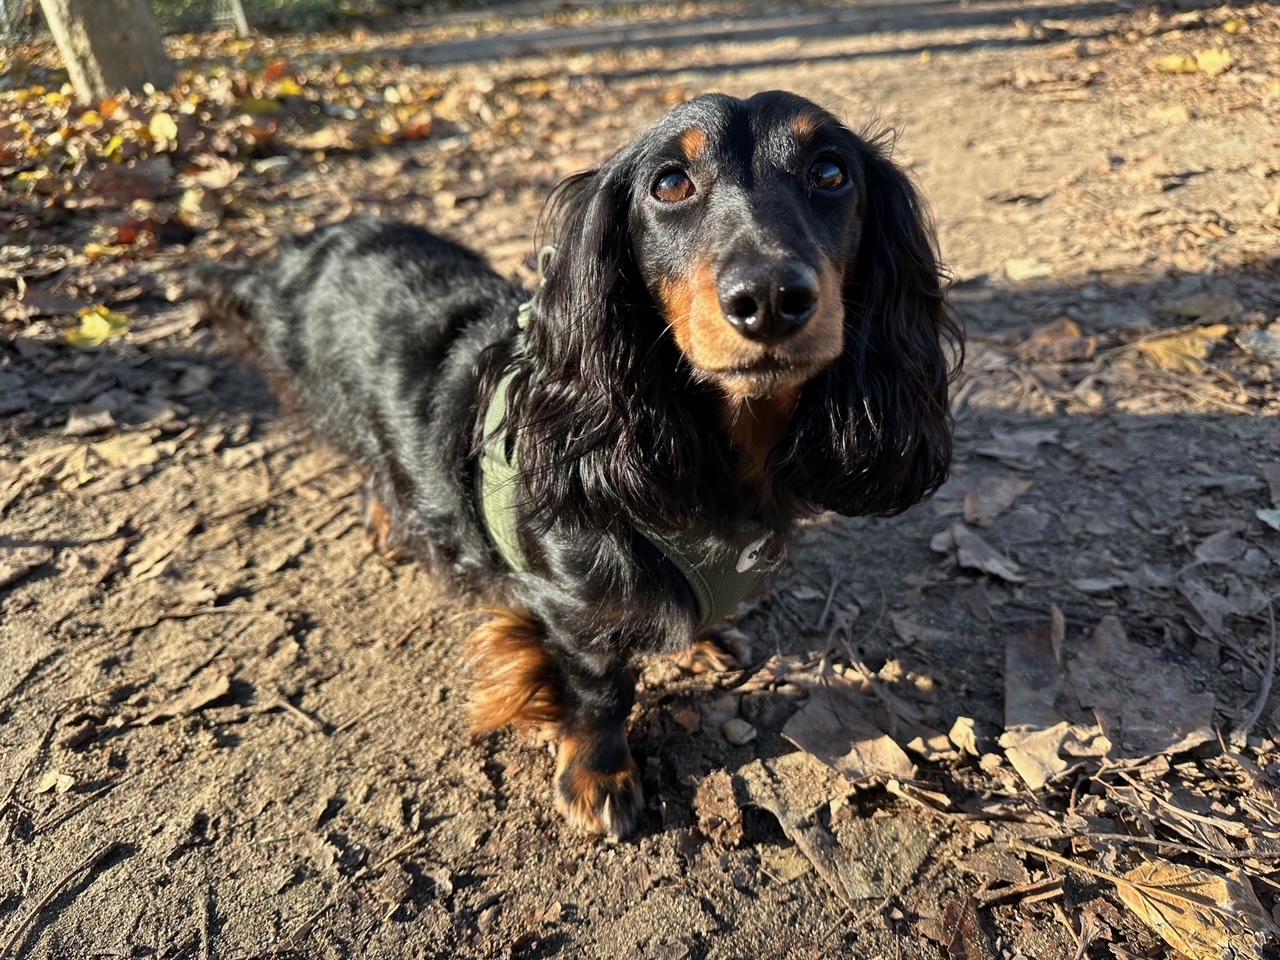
pixel 767 375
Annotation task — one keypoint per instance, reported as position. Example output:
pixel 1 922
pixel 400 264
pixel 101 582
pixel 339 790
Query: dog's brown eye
pixel 826 174
pixel 673 187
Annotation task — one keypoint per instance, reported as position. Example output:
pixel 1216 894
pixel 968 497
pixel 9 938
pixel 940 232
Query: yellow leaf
pixel 1199 913
pixel 1234 24
pixel 288 87
pixel 95 250
pixel 163 127
pixel 1174 63
pixel 1184 351
pixel 1213 62
pixel 112 150
pixel 256 107
pixel 97 325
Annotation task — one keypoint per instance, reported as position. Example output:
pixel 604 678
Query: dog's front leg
pixel 532 674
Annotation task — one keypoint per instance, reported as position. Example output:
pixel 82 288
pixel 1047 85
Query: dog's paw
pixel 718 652
pixel 377 523
pixel 597 785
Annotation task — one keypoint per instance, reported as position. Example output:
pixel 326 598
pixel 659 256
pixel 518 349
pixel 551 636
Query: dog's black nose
pixel 769 301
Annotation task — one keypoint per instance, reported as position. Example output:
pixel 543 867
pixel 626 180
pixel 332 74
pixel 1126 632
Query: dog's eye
pixel 673 187
pixel 826 174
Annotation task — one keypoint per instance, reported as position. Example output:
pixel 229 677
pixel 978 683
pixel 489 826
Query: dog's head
pixel 759 252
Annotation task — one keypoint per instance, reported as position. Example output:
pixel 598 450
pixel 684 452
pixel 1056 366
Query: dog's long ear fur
pixel 594 384
pixel 875 433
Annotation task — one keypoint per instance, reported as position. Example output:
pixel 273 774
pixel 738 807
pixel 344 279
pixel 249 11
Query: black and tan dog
pixel 743 323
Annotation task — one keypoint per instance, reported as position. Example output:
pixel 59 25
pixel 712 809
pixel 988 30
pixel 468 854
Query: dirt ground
pixel 228 730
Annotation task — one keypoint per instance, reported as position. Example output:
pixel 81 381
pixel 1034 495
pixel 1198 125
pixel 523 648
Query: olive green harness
pixel 719 583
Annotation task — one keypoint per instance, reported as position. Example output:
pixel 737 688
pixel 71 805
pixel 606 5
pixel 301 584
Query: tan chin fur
pixel 513 680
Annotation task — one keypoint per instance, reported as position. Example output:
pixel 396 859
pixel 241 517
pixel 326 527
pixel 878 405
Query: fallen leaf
pixel 97 326
pixel 195 697
pixel 834 725
pixel 992 496
pixel 974 552
pixel 909 631
pixel 1184 351
pixel 1017 448
pixel 1061 342
pixel 1174 63
pixel 55 781
pixel 963 936
pixel 1213 62
pixel 163 128
pixel 1142 704
pixel 127 450
pixel 1205 915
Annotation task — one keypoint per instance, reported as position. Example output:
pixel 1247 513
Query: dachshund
pixel 743 323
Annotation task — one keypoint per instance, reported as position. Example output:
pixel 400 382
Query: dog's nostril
pixel 742 306
pixel 796 303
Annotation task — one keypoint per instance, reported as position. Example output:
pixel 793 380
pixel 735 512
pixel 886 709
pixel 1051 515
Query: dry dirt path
pixel 228 731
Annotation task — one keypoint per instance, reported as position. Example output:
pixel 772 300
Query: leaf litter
pixel 139 178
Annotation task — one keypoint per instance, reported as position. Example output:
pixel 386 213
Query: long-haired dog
pixel 743 323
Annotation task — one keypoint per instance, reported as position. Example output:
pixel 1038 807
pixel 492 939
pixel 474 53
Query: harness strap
pixel 718 583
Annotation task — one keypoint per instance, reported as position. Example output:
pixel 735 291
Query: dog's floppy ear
pixel 591 390
pixel 875 434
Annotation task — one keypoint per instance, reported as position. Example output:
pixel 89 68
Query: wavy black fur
pixel 391 341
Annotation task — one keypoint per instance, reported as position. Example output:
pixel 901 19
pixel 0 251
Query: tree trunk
pixel 108 45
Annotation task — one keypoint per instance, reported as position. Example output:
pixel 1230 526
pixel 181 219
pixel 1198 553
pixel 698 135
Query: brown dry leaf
pixel 196 697
pixel 1035 732
pixel 1184 351
pixel 1142 704
pixel 1061 342
pixel 974 552
pixel 963 936
pixel 992 497
pixel 835 726
pixel 1202 914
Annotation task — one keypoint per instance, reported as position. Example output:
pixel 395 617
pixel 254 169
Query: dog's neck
pixel 756 425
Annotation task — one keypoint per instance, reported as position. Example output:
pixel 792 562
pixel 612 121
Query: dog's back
pixel 376 330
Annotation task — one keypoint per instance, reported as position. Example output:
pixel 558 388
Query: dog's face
pixel 744 217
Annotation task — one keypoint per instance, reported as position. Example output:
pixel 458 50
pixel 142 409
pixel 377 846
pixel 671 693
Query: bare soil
pixel 229 730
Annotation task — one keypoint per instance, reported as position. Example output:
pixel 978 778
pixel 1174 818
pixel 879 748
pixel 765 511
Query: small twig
pixel 1267 677
pixel 408 632
pixel 7 802
pixel 397 853
pixel 88 863
pixel 1205 852
pixel 831 595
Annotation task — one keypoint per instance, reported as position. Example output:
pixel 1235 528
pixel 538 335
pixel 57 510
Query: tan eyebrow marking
pixel 804 126
pixel 693 142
